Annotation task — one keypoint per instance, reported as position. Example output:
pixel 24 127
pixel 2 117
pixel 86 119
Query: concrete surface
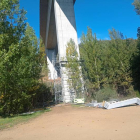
pixel 57 27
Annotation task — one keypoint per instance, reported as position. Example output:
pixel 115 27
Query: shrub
pixel 105 94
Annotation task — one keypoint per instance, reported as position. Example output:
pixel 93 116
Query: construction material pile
pixel 115 104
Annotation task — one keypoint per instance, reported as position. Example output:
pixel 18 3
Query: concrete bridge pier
pixel 57 27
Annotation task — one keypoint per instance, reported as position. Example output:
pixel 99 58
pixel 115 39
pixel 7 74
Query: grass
pixel 14 120
pixel 78 105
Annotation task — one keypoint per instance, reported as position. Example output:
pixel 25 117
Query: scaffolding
pixel 57 80
pixel 61 87
pixel 62 90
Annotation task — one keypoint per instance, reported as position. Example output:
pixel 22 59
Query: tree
pixel 12 23
pixel 137 6
pixel 20 60
pixel 108 63
pixel 122 51
pixel 91 53
pixel 136 62
pixel 73 69
pixel 136 66
pixel 137 9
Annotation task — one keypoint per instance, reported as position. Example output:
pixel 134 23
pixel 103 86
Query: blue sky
pixel 99 15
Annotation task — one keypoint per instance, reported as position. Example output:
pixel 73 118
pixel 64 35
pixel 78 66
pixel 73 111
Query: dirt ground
pixel 76 123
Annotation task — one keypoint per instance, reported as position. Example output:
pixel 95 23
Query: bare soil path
pixel 75 123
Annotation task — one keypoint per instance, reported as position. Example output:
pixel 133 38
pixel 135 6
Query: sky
pixel 99 15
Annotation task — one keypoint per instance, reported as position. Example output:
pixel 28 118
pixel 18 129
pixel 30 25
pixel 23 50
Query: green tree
pixel 45 70
pixel 108 63
pixel 137 9
pixel 136 66
pixel 20 60
pixel 12 23
pixel 136 62
pixel 122 52
pixel 73 69
pixel 137 6
pixel 91 53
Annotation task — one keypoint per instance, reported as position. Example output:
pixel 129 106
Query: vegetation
pixel 21 60
pixel 136 62
pixel 108 68
pixel 14 120
pixel 137 6
pixel 112 66
pixel 108 63
pixel 106 94
pixel 73 69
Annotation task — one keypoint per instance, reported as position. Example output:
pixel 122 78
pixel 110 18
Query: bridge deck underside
pixel 43 19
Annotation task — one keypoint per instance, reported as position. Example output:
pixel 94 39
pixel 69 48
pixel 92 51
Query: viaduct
pixel 57 27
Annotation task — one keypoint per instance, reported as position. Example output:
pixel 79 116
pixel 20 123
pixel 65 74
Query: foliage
pixel 136 67
pixel 108 63
pixel 73 68
pixel 45 70
pixel 21 60
pixel 44 96
pixel 106 94
pixel 14 120
pixel 137 6
pixel 136 60
pixel 123 51
pixel 92 55
pixel 12 23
